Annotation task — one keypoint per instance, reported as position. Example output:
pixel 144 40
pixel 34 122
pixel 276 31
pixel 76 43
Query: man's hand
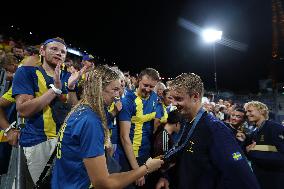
pixel 75 76
pixel 140 181
pixel 163 183
pixel 56 77
pixel 241 136
pixel 118 106
pixel 251 146
pixel 13 136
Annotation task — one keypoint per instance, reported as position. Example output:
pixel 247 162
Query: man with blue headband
pixel 37 90
pixel 88 60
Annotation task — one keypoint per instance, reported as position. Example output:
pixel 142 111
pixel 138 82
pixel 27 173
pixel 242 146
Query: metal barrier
pixel 17 171
pixel 2 81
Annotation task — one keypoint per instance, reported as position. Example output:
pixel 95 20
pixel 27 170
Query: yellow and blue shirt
pixel 141 113
pixel 41 126
pixel 81 137
pixel 10 112
pixel 162 112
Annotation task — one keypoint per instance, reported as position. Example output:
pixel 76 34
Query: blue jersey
pixel 141 113
pixel 41 126
pixel 81 137
pixel 114 130
pixel 162 112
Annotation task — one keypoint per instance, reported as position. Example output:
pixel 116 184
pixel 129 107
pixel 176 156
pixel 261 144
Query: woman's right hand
pixel 153 164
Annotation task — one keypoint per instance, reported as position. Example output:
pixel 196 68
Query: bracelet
pixel 71 90
pixel 147 168
pixel 57 91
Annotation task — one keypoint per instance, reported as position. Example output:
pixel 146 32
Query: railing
pixel 17 171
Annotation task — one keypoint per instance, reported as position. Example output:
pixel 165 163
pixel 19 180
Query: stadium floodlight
pixel 211 35
pixel 73 51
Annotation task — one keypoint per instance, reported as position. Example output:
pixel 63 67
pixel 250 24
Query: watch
pixel 12 126
pixel 57 91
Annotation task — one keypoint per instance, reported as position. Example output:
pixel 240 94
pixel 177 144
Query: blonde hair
pixel 97 79
pixel 191 82
pixel 120 73
pixel 261 107
pixel 160 85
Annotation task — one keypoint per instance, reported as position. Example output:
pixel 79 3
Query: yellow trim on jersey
pixel 60 138
pixel 165 116
pixel 8 96
pixel 138 121
pixel 2 137
pixel 48 122
pixel 111 108
pixel 265 148
pixel 22 63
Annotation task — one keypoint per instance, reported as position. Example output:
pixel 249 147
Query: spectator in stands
pixel 163 109
pixel 164 140
pixel 114 109
pixel 207 155
pixel 159 88
pixel 219 112
pixel 134 82
pixel 37 90
pixel 18 52
pixel 9 135
pixel 2 57
pixel 88 61
pixel 266 149
pixel 127 80
pixel 88 64
pixel 80 150
pixel 221 102
pixel 237 119
pixel 236 124
pixel 136 122
pixel 8 45
pixel 8 116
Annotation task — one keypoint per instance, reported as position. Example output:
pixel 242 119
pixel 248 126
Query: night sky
pixel 140 34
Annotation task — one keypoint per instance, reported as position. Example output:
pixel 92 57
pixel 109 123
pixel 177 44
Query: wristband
pixel 147 168
pixel 57 91
pixel 12 126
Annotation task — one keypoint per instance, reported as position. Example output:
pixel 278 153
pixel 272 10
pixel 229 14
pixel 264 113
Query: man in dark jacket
pixel 266 150
pixel 208 156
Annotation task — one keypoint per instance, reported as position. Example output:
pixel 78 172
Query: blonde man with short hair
pixel 266 149
pixel 207 155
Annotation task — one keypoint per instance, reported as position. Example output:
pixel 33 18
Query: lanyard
pixel 175 149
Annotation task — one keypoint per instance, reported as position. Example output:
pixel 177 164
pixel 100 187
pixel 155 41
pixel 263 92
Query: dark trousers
pixel 125 166
pixel 269 179
pixel 5 153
